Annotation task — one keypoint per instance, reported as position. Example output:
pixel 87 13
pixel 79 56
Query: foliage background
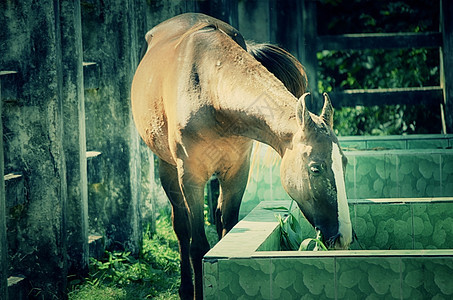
pixel 370 69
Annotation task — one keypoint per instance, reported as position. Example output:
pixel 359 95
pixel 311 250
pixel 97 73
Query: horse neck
pixel 259 107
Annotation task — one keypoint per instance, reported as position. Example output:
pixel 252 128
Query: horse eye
pixel 315 168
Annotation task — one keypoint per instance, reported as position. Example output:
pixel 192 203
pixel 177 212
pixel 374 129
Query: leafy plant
pixel 120 275
pixel 315 242
pixel 291 237
pixel 290 232
pixel 371 69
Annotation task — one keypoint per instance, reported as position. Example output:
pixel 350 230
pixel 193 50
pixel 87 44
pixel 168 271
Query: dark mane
pixel 282 64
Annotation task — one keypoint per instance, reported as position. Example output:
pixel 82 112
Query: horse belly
pixel 218 155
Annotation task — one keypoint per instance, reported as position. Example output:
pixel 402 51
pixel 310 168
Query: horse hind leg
pixel 193 191
pixel 181 225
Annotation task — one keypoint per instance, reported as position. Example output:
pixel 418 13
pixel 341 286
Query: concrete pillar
pixel 74 141
pixel 447 62
pixel 287 26
pixel 254 20
pixel 3 244
pixel 112 36
pixel 225 10
pixel 33 130
pixel 159 11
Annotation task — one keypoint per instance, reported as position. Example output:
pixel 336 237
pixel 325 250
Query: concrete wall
pixel 33 137
pixel 46 107
pixel 111 34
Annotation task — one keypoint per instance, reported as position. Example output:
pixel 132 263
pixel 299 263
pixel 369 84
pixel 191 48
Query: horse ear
pixel 327 111
pixel 303 115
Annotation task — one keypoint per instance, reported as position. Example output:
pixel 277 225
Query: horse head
pixel 312 173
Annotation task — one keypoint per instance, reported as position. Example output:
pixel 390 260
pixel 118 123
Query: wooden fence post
pixel 446 8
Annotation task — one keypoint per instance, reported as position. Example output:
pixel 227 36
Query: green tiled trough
pixel 388 172
pixel 401 204
pixel 408 255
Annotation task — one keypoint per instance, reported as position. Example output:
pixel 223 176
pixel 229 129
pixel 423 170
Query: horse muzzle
pixel 335 242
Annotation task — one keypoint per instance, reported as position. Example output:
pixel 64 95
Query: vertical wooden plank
pixel 447 60
pixel 307 51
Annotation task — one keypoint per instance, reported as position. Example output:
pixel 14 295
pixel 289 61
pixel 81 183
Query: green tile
pixel 375 176
pixel 390 177
pixel 427 278
pixel 389 144
pixel 447 174
pixel 350 178
pixel 368 278
pixel 433 225
pixel 369 183
pixel 210 280
pixel 427 144
pixel 353 145
pixel 244 278
pixel 383 226
pixel 294 278
pixel 419 175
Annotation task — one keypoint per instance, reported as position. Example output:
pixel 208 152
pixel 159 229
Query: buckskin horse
pixel 200 99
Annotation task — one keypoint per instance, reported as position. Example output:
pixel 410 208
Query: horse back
pixel 166 88
pixel 180 76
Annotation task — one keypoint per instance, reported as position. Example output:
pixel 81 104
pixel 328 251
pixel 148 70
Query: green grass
pixel 118 275
pixel 154 274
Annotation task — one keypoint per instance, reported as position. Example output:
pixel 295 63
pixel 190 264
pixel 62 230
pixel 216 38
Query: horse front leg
pixel 232 187
pixel 181 225
pixel 193 191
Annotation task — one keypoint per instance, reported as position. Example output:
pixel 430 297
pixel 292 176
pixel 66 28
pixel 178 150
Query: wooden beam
pixel 379 41
pixel 411 96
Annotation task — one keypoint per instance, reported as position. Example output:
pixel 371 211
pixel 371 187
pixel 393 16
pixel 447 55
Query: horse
pixel 200 97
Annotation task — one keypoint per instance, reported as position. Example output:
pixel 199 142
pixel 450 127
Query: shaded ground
pixel 154 275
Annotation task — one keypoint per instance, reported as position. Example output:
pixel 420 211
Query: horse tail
pixel 282 64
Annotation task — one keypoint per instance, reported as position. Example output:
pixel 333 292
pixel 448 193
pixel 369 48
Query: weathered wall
pixel 33 142
pixel 254 20
pixel 111 33
pixel 45 137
